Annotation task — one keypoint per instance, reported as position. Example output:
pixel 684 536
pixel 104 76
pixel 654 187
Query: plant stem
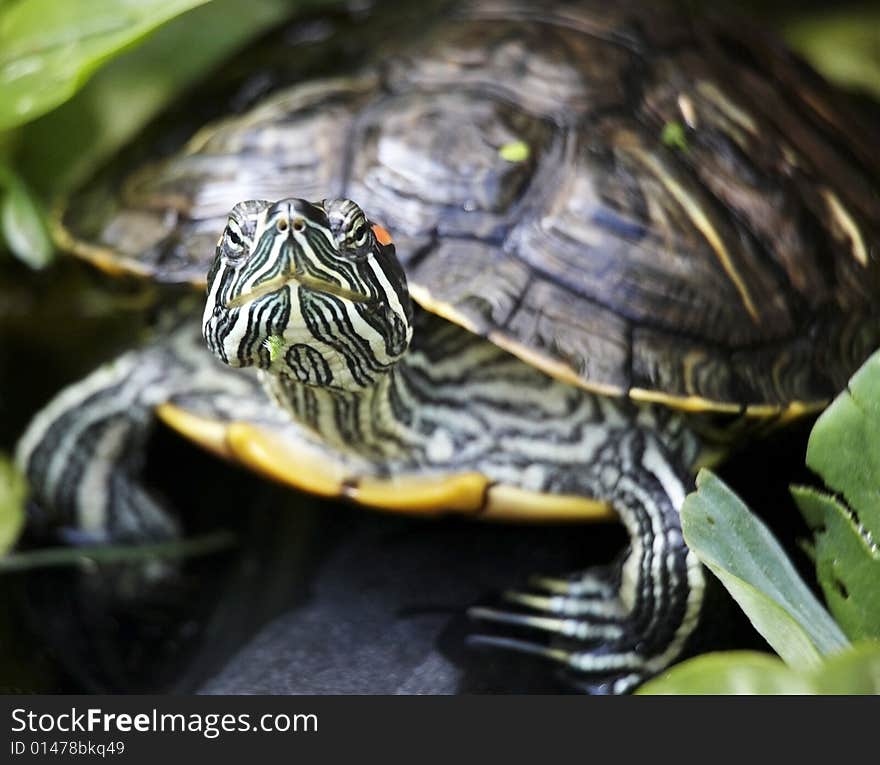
pixel 68 556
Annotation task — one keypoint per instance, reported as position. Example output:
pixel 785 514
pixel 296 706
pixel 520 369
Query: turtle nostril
pixel 282 224
pixel 298 224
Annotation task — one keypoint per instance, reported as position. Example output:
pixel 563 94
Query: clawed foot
pixel 582 624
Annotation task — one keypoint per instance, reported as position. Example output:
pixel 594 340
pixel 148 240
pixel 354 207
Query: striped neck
pixel 365 422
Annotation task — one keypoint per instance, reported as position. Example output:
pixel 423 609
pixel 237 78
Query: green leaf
pixel 740 550
pixel 13 492
pixel 847 566
pixel 730 672
pixel 48 49
pixel 854 671
pixel 22 222
pixel 844 446
pixel 844 449
pixel 63 148
pixel 842 44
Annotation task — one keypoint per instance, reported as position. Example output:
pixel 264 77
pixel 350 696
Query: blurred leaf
pixel 8 140
pixel 49 49
pixel 855 671
pixel 22 222
pixel 744 555
pixel 731 672
pixel 61 149
pixel 13 491
pixel 844 449
pixel 842 44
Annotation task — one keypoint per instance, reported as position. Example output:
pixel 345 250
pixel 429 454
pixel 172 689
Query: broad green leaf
pixel 729 673
pixel 848 567
pixel 48 49
pixel 844 449
pixel 841 44
pixel 61 149
pixel 854 671
pixel 844 446
pixel 13 491
pixel 740 550
pixel 22 222
pixel 8 141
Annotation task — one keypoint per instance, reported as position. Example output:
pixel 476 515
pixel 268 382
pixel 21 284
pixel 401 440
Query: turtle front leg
pixel 84 453
pixel 612 627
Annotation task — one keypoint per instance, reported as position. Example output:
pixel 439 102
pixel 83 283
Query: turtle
pixel 522 262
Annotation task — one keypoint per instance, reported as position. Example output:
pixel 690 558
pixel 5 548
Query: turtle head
pixel 309 291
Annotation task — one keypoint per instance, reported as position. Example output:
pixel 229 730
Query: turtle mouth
pixel 303 280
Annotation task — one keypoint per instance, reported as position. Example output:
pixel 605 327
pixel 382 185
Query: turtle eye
pixel 357 242
pixel 350 228
pixel 232 244
pixel 361 233
pixel 357 237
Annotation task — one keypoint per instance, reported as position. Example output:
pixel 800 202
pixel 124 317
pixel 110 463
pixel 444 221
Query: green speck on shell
pixel 515 151
pixel 673 136
pixel 273 345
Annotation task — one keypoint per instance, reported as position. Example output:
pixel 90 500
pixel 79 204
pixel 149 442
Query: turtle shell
pixel 663 207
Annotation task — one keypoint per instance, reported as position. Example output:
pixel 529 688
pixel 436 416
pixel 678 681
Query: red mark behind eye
pixel 382 236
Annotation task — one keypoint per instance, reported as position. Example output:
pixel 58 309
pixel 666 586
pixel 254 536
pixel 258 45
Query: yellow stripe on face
pixel 309 282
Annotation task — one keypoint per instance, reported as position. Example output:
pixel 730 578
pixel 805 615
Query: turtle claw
pixel 562 605
pixel 616 676
pixel 508 617
pixel 581 623
pixel 520 646
pixel 577 629
pixel 583 586
pixel 615 625
pixel 536 602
